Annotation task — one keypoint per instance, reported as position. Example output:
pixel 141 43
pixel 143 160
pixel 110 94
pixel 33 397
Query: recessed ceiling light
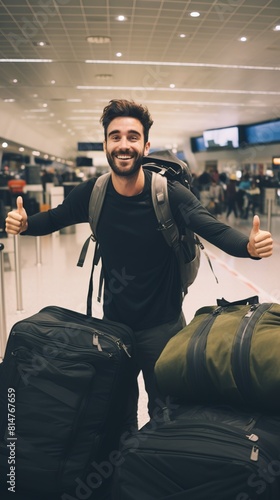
pixel 195 14
pixel 26 60
pixel 121 18
pixel 15 80
pixel 119 54
pixel 277 27
pixel 98 39
pixel 243 39
pixel 8 99
pixel 21 149
pixel 172 85
pixel 4 144
pixel 52 82
pixel 41 44
pixel 182 35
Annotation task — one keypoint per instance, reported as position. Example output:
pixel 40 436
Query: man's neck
pixel 129 186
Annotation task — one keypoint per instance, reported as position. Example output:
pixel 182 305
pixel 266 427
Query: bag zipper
pixel 96 335
pixel 122 327
pixel 240 359
pixel 258 451
pixel 195 355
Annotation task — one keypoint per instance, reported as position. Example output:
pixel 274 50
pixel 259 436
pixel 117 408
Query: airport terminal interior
pixel 208 72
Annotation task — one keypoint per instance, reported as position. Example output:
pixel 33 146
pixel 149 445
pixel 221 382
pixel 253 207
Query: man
pixel 149 298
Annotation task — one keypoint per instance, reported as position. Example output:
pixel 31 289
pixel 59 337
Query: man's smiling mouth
pixel 124 157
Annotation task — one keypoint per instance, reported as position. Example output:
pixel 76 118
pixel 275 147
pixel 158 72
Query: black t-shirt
pixel 142 282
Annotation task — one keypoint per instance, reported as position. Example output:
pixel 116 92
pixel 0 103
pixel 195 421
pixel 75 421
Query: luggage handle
pixel 243 302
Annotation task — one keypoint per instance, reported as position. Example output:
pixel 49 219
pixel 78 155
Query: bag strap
pixel 167 224
pixel 162 209
pixel 94 210
pixel 96 201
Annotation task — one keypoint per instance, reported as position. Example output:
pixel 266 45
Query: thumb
pixel 256 224
pixel 19 203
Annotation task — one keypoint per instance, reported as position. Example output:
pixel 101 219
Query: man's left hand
pixel 260 242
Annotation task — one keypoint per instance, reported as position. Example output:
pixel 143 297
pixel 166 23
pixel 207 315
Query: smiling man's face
pixel 124 145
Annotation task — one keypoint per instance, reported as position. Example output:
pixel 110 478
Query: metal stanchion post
pixel 3 329
pixel 38 251
pixel 270 195
pixel 269 213
pixel 18 273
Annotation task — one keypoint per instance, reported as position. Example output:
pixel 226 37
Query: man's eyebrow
pixel 129 132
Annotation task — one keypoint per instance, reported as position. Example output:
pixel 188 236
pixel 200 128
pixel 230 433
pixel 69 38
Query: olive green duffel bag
pixel 229 353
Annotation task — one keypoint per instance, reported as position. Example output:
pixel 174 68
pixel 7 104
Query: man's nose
pixel 124 143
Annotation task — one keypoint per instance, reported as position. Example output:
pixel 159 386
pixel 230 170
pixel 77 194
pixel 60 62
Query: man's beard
pixel 125 172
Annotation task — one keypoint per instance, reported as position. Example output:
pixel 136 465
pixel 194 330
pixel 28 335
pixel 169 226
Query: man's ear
pixel 147 148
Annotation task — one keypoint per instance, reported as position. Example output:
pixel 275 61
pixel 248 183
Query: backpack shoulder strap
pixel 162 209
pixel 96 201
pixel 94 210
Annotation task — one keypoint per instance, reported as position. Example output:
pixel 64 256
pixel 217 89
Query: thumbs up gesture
pixel 16 221
pixel 260 242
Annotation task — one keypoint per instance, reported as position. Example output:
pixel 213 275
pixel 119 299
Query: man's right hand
pixel 16 221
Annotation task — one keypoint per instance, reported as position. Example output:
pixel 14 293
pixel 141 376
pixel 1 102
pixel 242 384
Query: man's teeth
pixel 124 157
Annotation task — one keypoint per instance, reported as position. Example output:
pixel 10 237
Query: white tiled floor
pixel 58 281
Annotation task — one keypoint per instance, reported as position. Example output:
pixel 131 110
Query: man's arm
pixel 73 210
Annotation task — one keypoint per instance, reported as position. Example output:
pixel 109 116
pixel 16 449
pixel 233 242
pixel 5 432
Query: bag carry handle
pixel 243 302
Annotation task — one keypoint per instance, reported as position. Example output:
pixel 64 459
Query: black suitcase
pixel 202 453
pixel 62 401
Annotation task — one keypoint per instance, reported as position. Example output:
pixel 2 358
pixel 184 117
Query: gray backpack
pixel 164 165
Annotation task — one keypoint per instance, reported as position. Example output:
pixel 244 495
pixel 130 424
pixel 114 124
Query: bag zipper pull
pixel 217 311
pixel 95 342
pixel 121 345
pixel 254 453
pixel 251 311
pixel 255 449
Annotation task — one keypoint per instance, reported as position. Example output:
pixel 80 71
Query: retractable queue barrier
pixel 3 328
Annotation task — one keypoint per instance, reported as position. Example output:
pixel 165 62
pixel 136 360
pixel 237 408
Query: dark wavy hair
pixel 122 107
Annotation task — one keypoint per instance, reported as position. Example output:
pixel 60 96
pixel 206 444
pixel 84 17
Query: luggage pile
pixel 63 399
pixel 220 437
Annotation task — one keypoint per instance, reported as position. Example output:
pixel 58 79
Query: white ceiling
pixel 219 80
